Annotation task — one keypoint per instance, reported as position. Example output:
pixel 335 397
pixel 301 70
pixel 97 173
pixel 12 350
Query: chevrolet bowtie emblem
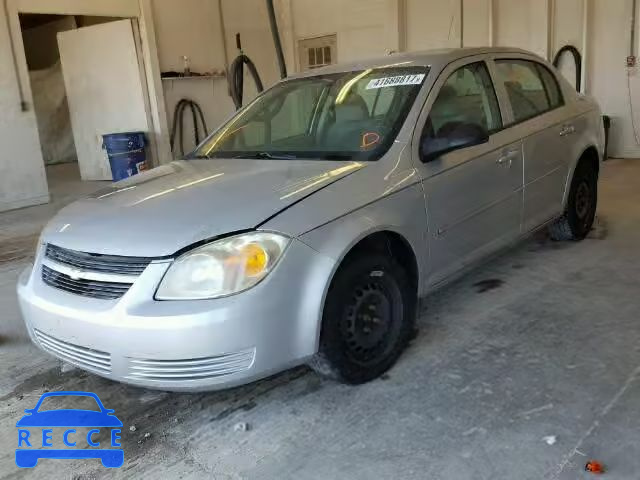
pixel 75 274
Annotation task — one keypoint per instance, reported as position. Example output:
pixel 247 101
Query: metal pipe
pixel 276 38
pixel 632 41
pixel 551 28
pixel 223 37
pixel 585 45
pixel 223 40
pixel 12 46
pixel 401 6
pixel 461 23
pixel 492 22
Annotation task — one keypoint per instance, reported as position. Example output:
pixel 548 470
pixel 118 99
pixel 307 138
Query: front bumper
pixel 184 345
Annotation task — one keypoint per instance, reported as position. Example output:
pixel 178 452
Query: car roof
pixel 427 58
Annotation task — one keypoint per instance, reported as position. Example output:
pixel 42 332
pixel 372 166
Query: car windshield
pixel 73 402
pixel 339 116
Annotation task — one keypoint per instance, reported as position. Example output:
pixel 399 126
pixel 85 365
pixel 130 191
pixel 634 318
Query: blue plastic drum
pixel 126 152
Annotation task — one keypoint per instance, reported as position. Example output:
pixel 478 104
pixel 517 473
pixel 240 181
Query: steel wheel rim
pixel 583 201
pixel 367 324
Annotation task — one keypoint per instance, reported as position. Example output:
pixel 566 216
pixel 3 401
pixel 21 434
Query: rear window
pixel 531 88
pixel 552 87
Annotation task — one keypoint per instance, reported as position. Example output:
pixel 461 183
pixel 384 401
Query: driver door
pixel 473 195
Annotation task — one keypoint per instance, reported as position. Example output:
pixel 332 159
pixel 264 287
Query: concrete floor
pixel 542 341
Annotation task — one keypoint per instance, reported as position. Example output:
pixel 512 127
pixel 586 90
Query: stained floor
pixel 523 369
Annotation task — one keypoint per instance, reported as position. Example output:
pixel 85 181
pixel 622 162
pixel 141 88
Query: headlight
pixel 223 267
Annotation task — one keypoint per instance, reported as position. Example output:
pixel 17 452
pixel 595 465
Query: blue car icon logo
pixel 36 433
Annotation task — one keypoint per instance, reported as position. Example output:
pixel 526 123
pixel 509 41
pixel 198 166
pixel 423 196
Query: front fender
pixel 402 213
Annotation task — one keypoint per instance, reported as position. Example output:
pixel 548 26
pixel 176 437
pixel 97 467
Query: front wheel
pixel 577 221
pixel 368 319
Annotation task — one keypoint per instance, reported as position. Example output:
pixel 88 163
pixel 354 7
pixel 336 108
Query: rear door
pixel 537 114
pixel 473 195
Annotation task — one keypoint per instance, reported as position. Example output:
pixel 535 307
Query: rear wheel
pixel 577 221
pixel 368 319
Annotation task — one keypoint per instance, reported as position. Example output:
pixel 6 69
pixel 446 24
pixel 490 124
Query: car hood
pixel 170 207
pixel 69 418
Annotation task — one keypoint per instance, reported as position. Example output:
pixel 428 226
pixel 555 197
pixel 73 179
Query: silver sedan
pixel 305 228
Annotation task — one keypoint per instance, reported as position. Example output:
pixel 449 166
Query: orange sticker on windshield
pixel 369 139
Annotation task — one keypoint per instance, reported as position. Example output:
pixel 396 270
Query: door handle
pixel 508 157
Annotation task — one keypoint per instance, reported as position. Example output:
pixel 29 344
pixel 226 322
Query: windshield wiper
pixel 266 156
pixel 337 156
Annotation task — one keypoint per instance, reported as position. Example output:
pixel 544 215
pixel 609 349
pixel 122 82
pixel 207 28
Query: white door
pixel 104 89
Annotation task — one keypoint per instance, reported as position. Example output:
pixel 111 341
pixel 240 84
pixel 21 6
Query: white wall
pixel 192 28
pixel 616 87
pixel 477 23
pixel 522 23
pixel 568 30
pixel 433 24
pixel 361 26
pixel 364 28
pixel 22 177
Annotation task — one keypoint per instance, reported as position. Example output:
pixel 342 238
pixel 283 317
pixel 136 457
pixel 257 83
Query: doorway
pixel 86 80
pixel 50 99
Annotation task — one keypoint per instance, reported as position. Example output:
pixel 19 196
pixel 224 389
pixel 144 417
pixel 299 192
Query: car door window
pixel 551 86
pixel 467 97
pixel 531 88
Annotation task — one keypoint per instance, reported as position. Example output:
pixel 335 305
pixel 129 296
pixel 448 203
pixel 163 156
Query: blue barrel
pixel 126 152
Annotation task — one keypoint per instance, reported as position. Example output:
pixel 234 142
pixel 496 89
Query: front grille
pixel 190 369
pixel 87 358
pixel 86 288
pixel 95 262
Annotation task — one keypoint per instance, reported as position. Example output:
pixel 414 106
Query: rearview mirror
pixel 457 136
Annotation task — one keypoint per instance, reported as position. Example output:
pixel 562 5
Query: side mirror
pixel 455 137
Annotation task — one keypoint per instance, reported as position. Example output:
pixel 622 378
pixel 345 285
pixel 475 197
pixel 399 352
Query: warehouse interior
pixel 202 38
pixel 528 367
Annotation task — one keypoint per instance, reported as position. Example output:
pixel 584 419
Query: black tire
pixel 368 319
pixel 577 220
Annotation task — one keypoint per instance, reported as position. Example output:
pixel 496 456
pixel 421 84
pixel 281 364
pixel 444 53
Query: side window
pixel 552 87
pixel 531 88
pixel 468 98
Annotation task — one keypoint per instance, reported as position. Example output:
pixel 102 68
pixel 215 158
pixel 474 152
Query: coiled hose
pixel 236 69
pixel 177 127
pixel 236 78
pixel 577 58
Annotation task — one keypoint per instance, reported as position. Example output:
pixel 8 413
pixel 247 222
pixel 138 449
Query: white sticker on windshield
pixel 415 79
